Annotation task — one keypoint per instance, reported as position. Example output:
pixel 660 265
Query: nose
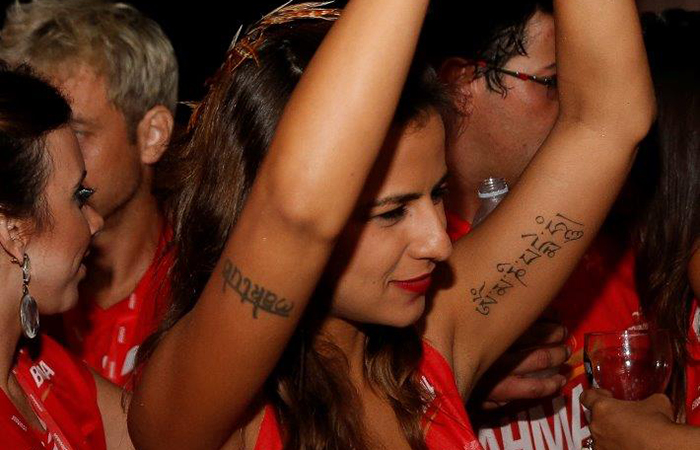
pixel 431 240
pixel 94 219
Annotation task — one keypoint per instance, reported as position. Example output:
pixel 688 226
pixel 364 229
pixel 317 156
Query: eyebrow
pixel 405 198
pixel 81 121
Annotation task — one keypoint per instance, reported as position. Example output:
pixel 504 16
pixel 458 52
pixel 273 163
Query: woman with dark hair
pixel 47 398
pixel 307 247
pixel 667 180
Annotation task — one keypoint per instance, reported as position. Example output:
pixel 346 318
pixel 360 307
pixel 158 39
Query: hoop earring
pixel 28 309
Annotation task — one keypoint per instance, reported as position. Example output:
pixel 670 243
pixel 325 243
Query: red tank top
pixel 108 339
pixel 63 395
pixel 692 368
pixel 446 423
pixel 456 226
pixel 600 295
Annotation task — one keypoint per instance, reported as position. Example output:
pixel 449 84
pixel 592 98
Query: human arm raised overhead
pixel 209 368
pixel 503 274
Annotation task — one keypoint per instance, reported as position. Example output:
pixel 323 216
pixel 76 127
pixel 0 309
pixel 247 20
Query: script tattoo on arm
pixel 544 242
pixel 261 298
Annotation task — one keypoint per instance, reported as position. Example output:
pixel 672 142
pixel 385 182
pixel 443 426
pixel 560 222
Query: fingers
pixel 523 388
pixel 542 333
pixel 591 397
pixel 540 359
pixel 662 404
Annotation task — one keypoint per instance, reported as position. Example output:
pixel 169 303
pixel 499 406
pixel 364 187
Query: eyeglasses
pixel 550 81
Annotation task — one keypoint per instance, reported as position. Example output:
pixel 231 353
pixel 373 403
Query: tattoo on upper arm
pixel 547 241
pixel 261 298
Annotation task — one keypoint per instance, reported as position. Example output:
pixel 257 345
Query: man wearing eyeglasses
pixel 498 57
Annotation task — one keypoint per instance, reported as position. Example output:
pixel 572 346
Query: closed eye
pixel 393 214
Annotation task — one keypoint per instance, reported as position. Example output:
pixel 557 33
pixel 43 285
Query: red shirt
pixel 62 393
pixel 692 370
pixel 456 226
pixel 600 295
pixel 108 339
pixel 446 421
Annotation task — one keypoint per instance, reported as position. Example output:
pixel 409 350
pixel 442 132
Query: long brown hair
pixel 209 174
pixel 669 159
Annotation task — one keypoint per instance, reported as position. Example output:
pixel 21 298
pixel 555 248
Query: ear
pixel 458 75
pixel 12 240
pixel 153 133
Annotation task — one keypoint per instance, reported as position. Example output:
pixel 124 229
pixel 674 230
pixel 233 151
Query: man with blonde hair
pixel 119 71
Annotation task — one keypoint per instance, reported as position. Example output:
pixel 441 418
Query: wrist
pixel 678 436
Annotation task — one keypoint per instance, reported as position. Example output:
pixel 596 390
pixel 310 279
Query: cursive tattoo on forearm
pixel 545 242
pixel 260 297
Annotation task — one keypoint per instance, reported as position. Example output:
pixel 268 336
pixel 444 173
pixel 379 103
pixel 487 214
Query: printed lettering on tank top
pixel 556 423
pixel 41 373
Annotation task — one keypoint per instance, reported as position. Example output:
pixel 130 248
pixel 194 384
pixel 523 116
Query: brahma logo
pixel 41 372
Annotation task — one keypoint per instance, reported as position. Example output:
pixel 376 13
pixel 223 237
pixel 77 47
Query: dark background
pixel 201 30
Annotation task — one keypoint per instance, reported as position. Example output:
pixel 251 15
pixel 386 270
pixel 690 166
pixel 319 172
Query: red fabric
pixel 446 421
pixel 600 295
pixel 692 369
pixel 108 339
pixel 456 226
pixel 63 394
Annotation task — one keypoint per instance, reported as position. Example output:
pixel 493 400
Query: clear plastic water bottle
pixel 491 192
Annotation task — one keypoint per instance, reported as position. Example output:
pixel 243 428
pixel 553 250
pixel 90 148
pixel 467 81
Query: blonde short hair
pixel 115 39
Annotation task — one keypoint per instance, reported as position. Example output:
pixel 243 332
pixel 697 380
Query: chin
pixel 408 315
pixel 69 300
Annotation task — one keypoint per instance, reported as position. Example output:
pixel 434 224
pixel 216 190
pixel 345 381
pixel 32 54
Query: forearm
pixel 573 180
pixel 209 368
pixel 339 114
pixel 605 82
pixel 677 437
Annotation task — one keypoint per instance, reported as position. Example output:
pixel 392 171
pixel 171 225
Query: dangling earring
pixel 28 309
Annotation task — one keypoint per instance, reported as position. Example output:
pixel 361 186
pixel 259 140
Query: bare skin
pixel 499 137
pixel 368 53
pixel 120 169
pixel 57 256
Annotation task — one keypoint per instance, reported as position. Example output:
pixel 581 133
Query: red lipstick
pixel 418 285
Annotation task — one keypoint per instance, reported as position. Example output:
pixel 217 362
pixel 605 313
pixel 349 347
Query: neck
pixel 351 341
pixel 122 252
pixel 10 330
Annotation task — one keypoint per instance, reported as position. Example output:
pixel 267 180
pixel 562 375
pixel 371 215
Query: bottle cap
pixel 492 187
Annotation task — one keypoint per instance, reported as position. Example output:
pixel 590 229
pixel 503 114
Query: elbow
pixel 640 117
pixel 145 430
pixel 138 433
pixel 625 120
pixel 304 208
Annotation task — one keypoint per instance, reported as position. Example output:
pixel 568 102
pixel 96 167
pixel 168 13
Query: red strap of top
pixel 63 395
pixel 22 373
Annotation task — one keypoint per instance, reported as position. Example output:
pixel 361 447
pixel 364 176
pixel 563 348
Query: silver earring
pixel 28 309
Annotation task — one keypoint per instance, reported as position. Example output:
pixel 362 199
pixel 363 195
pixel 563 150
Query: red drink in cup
pixel 631 364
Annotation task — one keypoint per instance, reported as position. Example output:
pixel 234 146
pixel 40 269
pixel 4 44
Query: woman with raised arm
pixel 300 316
pixel 48 399
pixel 667 180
